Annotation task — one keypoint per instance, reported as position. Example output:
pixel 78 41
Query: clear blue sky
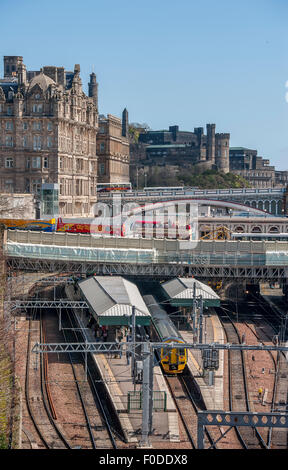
pixel 187 62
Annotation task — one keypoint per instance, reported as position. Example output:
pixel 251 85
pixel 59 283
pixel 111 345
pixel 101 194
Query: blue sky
pixel 187 62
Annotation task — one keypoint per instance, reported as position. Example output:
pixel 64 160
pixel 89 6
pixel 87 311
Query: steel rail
pixel 27 393
pixel 259 437
pixel 262 306
pixel 238 433
pixel 190 437
pixel 208 433
pixel 89 427
pixel 43 390
pixel 100 405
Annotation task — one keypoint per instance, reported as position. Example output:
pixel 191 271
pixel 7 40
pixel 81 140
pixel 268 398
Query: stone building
pixel 48 134
pixel 113 149
pixel 174 147
pixel 255 169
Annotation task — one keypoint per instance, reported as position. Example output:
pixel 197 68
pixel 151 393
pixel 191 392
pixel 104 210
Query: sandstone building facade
pixel 48 134
pixel 113 149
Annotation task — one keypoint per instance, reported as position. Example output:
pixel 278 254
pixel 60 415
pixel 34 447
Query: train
pixel 113 187
pixel 145 229
pixel 173 360
pixel 57 225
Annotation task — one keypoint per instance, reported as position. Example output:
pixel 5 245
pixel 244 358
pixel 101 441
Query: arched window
pixel 256 229
pixel 273 207
pixel 279 207
pixel 273 229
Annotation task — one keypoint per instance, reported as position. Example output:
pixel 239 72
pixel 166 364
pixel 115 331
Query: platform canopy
pixel 110 299
pixel 180 292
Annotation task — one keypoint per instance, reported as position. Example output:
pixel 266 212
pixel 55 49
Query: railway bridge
pixel 248 261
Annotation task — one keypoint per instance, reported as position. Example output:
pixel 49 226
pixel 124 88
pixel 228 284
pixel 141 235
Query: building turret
pixel 222 152
pixel 22 76
pixel 210 146
pixel 125 123
pixel 11 63
pixel 93 88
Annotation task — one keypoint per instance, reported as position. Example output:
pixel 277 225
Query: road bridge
pixel 209 259
pixel 270 200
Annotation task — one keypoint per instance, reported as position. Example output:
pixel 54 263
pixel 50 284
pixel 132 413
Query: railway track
pixel 48 432
pixel 277 438
pixel 238 388
pixel 187 409
pixel 100 424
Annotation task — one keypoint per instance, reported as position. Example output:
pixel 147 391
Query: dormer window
pixel 37 96
pixel 10 95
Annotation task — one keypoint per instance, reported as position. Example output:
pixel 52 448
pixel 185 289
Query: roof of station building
pixel 113 296
pixel 182 289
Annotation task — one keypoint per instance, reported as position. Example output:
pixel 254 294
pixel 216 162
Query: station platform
pixel 116 376
pixel 274 297
pixel 212 332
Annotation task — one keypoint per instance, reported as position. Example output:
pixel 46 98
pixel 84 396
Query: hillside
pixel 208 179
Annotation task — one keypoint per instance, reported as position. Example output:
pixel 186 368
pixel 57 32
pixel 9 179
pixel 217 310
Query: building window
pixel 9 111
pixel 9 141
pixel 37 96
pixel 102 147
pixel 9 125
pixel 37 142
pixel 28 162
pixel 49 141
pixel 36 186
pixel 61 163
pixel 27 185
pixel 9 163
pixel 49 126
pixel 9 186
pixel 101 168
pixel 25 126
pixel 37 126
pixel 39 108
pixel 36 162
pixel 61 187
pixel 45 162
pixel 25 141
pixel 102 130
